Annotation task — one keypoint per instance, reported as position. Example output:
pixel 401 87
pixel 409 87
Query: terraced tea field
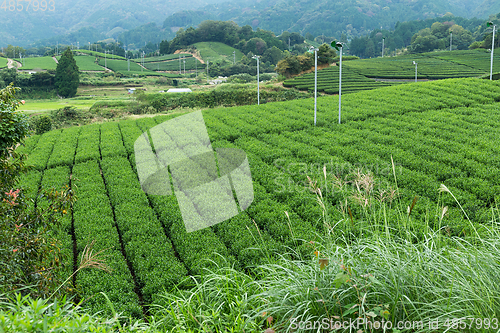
pixel 38 63
pixel 165 57
pixel 328 81
pixel 359 74
pixel 441 132
pixel 191 63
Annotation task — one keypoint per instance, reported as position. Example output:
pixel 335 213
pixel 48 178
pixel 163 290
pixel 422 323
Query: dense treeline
pixel 330 18
pixel 31 84
pixel 243 38
pixel 293 64
pixel 423 36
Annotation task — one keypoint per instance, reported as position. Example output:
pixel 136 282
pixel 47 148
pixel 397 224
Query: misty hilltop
pixel 25 23
pixel 154 20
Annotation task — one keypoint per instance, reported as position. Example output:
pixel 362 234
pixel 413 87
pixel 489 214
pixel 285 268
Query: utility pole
pixel 258 81
pixel 492 48
pixel 340 83
pixel 338 46
pixel 312 48
pixel 451 39
pixel 207 71
pixel 234 57
pixel 383 40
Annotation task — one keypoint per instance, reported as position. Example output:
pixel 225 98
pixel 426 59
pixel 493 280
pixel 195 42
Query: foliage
pixel 292 65
pixel 401 37
pixel 438 37
pixel 41 123
pixel 13 124
pixel 218 97
pixel 28 314
pixel 67 75
pixel 322 19
pixel 29 254
pixel 486 33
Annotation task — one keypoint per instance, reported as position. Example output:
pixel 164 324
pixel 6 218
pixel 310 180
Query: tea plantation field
pixel 361 74
pixel 441 132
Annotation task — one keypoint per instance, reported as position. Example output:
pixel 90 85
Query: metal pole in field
pixel 105 60
pixel 383 40
pixel 416 65
pixel 315 81
pixel 451 39
pixel 180 66
pixel 492 48
pixel 258 82
pixel 312 48
pixel 340 84
pixel 338 46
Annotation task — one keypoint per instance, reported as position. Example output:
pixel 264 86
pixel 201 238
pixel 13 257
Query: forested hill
pixel 27 21
pixel 331 18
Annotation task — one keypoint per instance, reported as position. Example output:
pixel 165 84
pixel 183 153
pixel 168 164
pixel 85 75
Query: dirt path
pixel 11 63
pixel 55 59
pixel 197 56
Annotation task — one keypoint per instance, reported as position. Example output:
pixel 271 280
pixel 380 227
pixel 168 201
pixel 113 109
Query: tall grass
pixel 375 270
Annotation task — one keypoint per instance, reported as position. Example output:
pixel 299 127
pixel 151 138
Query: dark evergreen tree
pixel 164 47
pixel 67 75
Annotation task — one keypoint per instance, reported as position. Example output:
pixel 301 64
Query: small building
pixel 179 90
pixel 131 90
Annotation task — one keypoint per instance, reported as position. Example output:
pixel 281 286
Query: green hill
pixel 441 132
pixel 85 20
pixel 87 63
pixel 215 51
pixel 39 63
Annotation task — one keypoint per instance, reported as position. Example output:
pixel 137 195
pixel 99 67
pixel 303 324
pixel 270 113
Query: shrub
pixel 13 125
pixel 41 123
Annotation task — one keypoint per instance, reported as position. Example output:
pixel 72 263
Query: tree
pixel 67 75
pixel 164 47
pixel 326 54
pixel 272 55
